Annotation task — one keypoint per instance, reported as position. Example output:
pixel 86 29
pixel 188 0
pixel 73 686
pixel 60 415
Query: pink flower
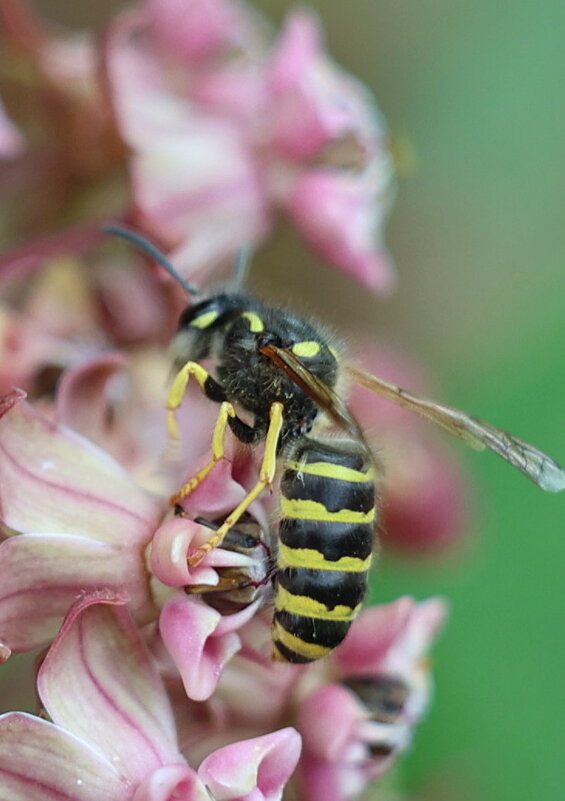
pixel 112 733
pixel 425 503
pixel 83 525
pixel 224 131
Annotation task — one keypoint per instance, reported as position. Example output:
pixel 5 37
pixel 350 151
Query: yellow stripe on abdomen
pixel 300 509
pixel 314 560
pixel 308 650
pixel 308 607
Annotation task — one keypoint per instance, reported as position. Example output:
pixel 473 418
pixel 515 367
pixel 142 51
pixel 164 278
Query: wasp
pixel 275 378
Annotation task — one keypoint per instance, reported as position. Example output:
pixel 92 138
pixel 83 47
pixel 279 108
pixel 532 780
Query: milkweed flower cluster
pixel 274 125
pixel 157 681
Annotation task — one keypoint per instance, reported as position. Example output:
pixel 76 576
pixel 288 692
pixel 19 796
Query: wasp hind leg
pixel 266 476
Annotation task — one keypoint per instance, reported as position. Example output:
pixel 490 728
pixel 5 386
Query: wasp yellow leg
pixel 178 391
pixel 218 451
pixel 266 476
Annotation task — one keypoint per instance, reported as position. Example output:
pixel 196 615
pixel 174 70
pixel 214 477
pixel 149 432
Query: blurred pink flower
pixel 224 129
pixel 113 734
pixel 425 503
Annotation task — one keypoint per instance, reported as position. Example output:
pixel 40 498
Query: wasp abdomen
pixel 326 543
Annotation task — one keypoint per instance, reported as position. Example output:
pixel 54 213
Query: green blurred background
pixel 478 235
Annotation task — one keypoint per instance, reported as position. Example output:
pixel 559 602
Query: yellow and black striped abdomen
pixel 326 539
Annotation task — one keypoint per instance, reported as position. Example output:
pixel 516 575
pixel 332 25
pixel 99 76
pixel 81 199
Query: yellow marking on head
pixel 204 320
pixel 315 560
pixel 329 470
pixel 256 324
pixel 307 349
pixel 308 607
pixel 306 649
pixel 300 509
pixel 334 353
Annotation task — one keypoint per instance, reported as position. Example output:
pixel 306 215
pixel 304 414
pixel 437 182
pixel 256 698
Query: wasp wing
pixel 533 463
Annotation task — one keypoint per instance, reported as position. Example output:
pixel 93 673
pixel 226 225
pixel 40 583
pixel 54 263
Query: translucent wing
pixel 535 464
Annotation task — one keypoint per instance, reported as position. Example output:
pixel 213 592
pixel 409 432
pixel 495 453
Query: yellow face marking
pixel 334 353
pixel 315 560
pixel 328 470
pixel 299 509
pixel 306 649
pixel 204 320
pixel 307 349
pixel 308 607
pixel 256 324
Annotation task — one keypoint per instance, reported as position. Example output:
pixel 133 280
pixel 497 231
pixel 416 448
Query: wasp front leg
pixel 266 476
pixel 179 388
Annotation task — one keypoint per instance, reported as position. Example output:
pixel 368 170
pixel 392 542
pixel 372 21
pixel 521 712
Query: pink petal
pixel 195 29
pixel 172 782
pixel 256 769
pixel 40 761
pixel 308 104
pixel 371 637
pixel 340 216
pixel 43 574
pixel 82 395
pixel 99 682
pixel 327 719
pixel 200 642
pixel 207 199
pixel 53 480
pixel 330 781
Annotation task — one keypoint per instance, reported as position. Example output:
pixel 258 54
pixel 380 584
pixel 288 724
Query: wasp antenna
pixel 153 251
pixel 242 264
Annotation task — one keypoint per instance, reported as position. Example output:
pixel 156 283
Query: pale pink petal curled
pixel 252 770
pixel 169 554
pixel 172 544
pixel 40 761
pixel 169 783
pixel 98 681
pixel 43 574
pixel 339 215
pixel 12 142
pixel 51 479
pixel 200 642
